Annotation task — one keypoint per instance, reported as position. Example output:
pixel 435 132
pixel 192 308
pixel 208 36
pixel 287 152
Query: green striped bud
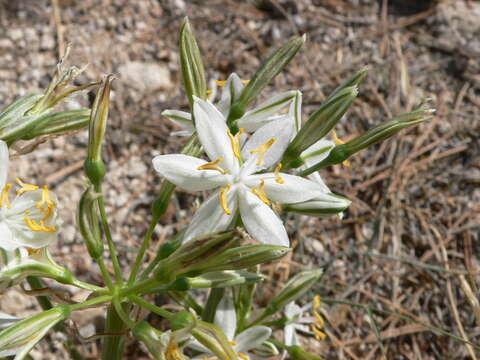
pixel 88 223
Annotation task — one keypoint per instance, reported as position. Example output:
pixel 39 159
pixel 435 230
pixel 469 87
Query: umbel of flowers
pixel 257 160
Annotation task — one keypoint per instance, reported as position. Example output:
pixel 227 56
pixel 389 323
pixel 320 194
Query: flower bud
pixel 94 167
pixel 183 319
pixel 16 265
pixel 320 123
pixel 214 280
pixel 269 69
pixel 191 255
pixel 297 353
pixel 213 338
pixel 155 340
pixel 266 350
pixel 60 122
pixel 7 320
pixel 191 63
pixel 88 223
pixel 295 288
pixel 326 205
pixel 21 337
pixel 372 136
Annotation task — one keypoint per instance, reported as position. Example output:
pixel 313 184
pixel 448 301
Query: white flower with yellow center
pixel 236 173
pixel 268 111
pixel 30 219
pixel 226 319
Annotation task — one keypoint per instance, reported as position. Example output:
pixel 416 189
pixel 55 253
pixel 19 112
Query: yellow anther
pixel 4 200
pixel 46 200
pixel 233 343
pixel 339 141
pixel 223 199
pixel 278 178
pixel 260 192
pixel 209 92
pixel 319 323
pixel 243 356
pixel 235 142
pixel 221 83
pixel 25 187
pixel 173 351
pixel 33 251
pixel 261 150
pixel 38 226
pixel 245 82
pixel 212 165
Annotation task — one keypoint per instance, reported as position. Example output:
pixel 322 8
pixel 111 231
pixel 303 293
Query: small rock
pixel 146 76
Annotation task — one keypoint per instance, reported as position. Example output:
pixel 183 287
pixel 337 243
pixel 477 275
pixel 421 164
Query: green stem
pixel 87 286
pixel 211 307
pixel 112 348
pixel 91 302
pixel 122 314
pixel 37 283
pixel 106 275
pixel 140 287
pixel 108 234
pixel 153 308
pixel 143 249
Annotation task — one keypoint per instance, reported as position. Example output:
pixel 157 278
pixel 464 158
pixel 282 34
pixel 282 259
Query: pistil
pixel 235 142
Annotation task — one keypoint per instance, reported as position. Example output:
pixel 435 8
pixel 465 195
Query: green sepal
pixel 88 223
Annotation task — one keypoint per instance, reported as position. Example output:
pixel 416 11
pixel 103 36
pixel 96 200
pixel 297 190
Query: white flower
pixel 252 120
pixel 226 319
pixel 236 173
pixel 30 220
pixel 296 322
pixel 6 320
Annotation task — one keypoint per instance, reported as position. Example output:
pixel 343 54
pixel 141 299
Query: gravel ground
pixel 409 242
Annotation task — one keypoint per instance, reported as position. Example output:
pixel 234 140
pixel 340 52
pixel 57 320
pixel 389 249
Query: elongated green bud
pixel 191 63
pixel 328 205
pixel 372 136
pixel 88 223
pixel 21 337
pixel 183 319
pixel 268 70
pixel 320 123
pixel 215 280
pixel 295 288
pixel 355 80
pixel 266 350
pixel 59 123
pixel 297 353
pixel 213 338
pixel 155 340
pixel 94 166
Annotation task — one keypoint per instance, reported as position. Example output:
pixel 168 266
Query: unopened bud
pixel 322 206
pixel 88 222
pixel 266 350
pixel 213 338
pixel 155 340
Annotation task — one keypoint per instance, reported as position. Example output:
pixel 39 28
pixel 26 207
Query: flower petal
pixel 213 134
pixel 211 217
pixel 251 338
pixel 289 334
pixel 260 221
pixel 226 317
pixel 295 111
pixel 281 130
pixel 293 189
pixel 259 116
pixel 182 119
pixel 6 239
pixel 182 170
pixel 4 163
pixel 230 93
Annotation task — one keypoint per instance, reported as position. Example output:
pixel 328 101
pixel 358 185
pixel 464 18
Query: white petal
pixel 230 93
pixel 289 334
pixel 4 163
pixel 280 130
pixel 260 221
pixel 226 317
pixel 259 116
pixel 293 189
pixel 211 217
pixel 251 338
pixel 182 170
pixel 295 111
pixel 318 152
pixel 6 238
pixel 213 134
pixel 181 118
pixel 7 320
pixel 292 310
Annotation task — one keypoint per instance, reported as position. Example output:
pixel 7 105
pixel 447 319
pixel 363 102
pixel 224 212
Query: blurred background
pixel 408 245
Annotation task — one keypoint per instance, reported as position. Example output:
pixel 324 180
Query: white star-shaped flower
pixel 30 220
pixel 236 173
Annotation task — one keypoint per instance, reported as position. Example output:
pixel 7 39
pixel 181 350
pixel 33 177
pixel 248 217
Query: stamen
pixel 212 165
pixel 243 356
pixel 319 323
pixel 278 178
pixel 261 150
pixel 40 226
pixel 4 200
pixel 173 352
pixel 25 187
pixel 235 141
pixel 233 343
pixel 260 192
pixel 339 141
pixel 245 82
pixel 221 83
pixel 33 251
pixel 223 199
pixel 47 211
pixel 209 92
